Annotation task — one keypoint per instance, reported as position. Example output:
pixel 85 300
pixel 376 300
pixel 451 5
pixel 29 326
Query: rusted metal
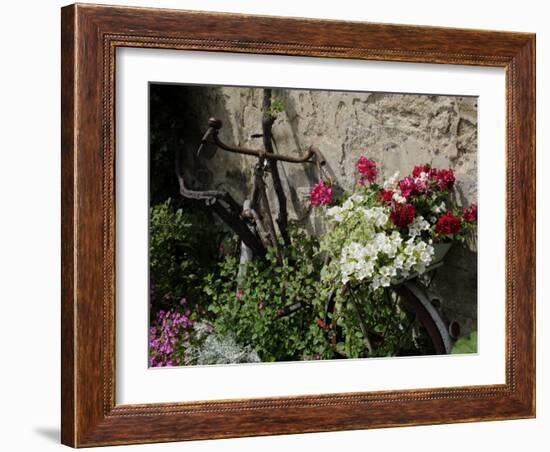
pixel 223 204
pixel 291 308
pixel 267 159
pixel 212 136
pixel 419 304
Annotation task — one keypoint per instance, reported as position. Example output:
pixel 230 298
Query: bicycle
pixel 254 224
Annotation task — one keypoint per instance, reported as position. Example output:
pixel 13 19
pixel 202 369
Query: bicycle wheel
pixel 415 300
pixel 416 323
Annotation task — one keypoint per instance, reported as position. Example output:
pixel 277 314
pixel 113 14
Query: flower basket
pixel 384 235
pixel 440 251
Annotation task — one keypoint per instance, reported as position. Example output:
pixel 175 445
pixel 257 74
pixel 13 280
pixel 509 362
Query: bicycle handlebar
pixel 211 135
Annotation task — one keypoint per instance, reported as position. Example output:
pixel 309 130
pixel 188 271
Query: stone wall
pixel 397 130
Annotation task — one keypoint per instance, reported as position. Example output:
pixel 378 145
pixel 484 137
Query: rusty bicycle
pixel 259 230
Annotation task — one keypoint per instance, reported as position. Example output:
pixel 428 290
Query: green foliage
pixel 213 348
pixel 251 309
pixel 181 246
pixel 381 314
pixel 466 344
pixel 277 106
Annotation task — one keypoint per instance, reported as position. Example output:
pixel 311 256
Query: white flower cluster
pixel 398 198
pixel 418 225
pixel 359 260
pixel 417 256
pixel 437 210
pixel 440 208
pixel 378 216
pixel 384 258
pixel 379 254
pixel 392 181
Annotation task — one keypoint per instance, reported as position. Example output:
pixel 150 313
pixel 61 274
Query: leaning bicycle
pixel 410 319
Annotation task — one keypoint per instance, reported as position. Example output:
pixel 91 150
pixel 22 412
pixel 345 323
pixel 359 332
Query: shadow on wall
pixel 198 104
pixel 456 284
pixel 300 184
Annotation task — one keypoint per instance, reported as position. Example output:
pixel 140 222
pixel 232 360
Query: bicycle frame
pixel 257 231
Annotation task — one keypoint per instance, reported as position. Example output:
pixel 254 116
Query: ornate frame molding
pixel 90 36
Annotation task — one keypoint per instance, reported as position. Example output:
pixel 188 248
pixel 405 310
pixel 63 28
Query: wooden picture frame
pixel 90 36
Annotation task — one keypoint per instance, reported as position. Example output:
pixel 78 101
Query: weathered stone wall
pixel 397 130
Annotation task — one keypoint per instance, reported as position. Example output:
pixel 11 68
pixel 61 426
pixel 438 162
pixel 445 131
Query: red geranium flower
pixel 320 194
pixel 367 169
pixel 445 179
pixel 386 196
pixel 402 214
pixel 419 169
pixel 470 213
pixel 448 224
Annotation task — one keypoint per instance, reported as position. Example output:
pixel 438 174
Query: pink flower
pixel 320 194
pixel 407 186
pixel 367 169
pixel 448 224
pixel 402 214
pixel 470 213
pixel 167 329
pixel 420 185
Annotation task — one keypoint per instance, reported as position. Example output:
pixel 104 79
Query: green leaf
pixel 465 344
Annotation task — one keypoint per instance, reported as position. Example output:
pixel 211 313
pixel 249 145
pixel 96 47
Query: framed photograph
pixel 281 225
